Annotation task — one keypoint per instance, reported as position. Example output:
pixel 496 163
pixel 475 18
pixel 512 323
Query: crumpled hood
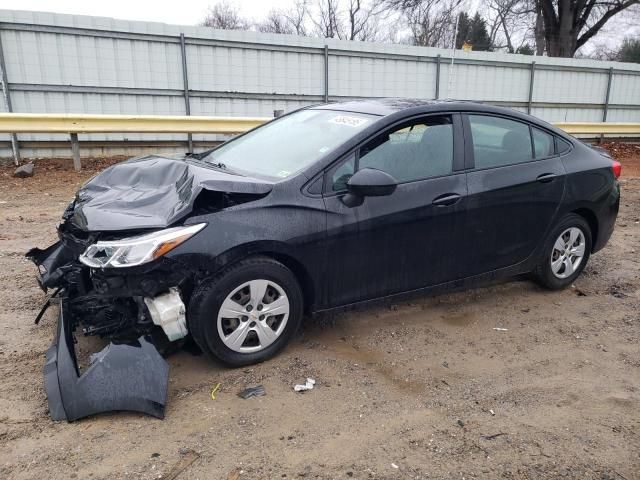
pixel 151 192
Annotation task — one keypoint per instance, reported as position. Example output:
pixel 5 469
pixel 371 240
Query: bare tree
pixel 363 20
pixel 297 16
pixel 569 24
pixel 326 19
pixel 431 22
pixel 511 23
pixel 290 21
pixel 225 16
pixel 350 19
pixel 275 22
pixel 539 31
pixel 559 27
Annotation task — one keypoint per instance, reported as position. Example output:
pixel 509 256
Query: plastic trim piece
pixel 132 377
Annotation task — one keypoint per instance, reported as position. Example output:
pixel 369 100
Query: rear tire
pixel 225 323
pixel 566 253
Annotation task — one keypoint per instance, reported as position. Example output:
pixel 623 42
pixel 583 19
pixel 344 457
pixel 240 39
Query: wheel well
pixel 301 273
pixel 592 220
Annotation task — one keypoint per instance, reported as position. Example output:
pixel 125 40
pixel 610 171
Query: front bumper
pixel 123 376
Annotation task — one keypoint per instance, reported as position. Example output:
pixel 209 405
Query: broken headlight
pixel 132 251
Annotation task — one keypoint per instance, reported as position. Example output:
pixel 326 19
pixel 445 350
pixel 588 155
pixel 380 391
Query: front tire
pixel 566 253
pixel 247 313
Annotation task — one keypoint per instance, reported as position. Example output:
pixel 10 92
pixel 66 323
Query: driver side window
pixel 412 151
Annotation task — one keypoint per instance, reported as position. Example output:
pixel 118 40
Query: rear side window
pixel 499 141
pixel 542 143
pixel 562 146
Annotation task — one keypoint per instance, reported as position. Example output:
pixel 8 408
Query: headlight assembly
pixel 138 250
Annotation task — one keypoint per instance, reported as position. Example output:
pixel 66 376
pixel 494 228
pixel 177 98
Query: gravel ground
pixel 422 389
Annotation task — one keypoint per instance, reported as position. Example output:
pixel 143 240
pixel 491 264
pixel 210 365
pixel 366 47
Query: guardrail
pixel 73 124
pixel 608 128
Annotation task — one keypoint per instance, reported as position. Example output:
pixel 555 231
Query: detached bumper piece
pixel 128 376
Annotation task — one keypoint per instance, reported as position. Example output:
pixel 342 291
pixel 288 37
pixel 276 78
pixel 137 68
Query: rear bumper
pixel 607 219
pixel 129 376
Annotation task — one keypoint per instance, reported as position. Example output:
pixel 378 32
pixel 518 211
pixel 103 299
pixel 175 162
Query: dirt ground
pixel 422 389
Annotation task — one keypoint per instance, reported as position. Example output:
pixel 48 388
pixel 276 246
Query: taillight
pixel 617 168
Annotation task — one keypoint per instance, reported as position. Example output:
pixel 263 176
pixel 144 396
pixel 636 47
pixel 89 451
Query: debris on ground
pixel 460 423
pixel 495 435
pixel 578 291
pixel 24 171
pixel 214 391
pixel 188 457
pixel 234 474
pixel 308 385
pixel 395 466
pixel 249 392
pixel 501 329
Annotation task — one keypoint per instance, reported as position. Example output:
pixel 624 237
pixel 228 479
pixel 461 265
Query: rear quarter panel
pixel 592 186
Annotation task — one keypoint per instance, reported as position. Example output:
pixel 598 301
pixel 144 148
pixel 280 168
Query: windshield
pixel 290 144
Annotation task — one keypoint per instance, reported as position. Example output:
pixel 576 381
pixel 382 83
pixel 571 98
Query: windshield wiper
pixel 219 165
pixel 215 165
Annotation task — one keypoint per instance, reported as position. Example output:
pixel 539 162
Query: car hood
pixel 151 192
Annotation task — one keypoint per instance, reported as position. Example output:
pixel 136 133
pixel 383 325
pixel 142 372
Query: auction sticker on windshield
pixel 349 121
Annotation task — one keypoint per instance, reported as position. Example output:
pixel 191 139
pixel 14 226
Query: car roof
pixel 379 106
pixel 399 107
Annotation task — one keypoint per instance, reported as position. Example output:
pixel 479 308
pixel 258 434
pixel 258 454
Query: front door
pixel 409 239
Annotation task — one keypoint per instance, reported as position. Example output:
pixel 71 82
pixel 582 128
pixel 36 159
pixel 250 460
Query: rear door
pixel 516 183
pixel 409 239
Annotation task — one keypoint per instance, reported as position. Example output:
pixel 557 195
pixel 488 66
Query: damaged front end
pixel 127 309
pixel 111 275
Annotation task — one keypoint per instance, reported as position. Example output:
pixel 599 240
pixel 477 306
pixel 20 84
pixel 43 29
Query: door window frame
pixel 468 141
pixel 458 160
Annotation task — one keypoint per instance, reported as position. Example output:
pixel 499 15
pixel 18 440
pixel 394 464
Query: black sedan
pixel 325 207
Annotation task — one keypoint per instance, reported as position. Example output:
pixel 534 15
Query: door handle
pixel 546 177
pixel 446 199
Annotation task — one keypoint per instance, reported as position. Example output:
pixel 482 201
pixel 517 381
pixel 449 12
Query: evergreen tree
pixel 630 50
pixel 473 31
pixel 525 49
pixel 464 30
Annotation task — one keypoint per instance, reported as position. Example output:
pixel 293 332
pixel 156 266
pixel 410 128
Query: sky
pixel 182 12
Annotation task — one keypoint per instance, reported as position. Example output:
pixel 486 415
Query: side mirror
pixel 370 182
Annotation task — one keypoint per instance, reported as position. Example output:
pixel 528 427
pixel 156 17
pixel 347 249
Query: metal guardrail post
pixel 326 73
pixel 532 76
pixel 185 81
pixel 438 58
pixel 605 110
pixel 75 150
pixel 15 147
